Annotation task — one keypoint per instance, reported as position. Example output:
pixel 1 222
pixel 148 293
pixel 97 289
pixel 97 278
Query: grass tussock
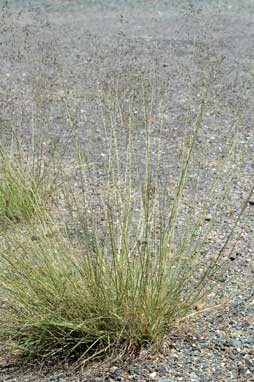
pixel 20 193
pixel 27 180
pixel 130 274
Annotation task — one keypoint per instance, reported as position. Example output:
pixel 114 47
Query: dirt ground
pixel 61 61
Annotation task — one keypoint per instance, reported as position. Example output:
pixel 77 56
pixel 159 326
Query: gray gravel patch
pixel 58 63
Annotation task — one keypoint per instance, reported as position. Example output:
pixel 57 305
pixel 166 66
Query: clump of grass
pixel 27 180
pixel 20 193
pixel 132 274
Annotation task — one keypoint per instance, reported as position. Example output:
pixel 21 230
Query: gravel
pixel 79 51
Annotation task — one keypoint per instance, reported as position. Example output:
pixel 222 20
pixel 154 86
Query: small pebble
pixel 194 377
